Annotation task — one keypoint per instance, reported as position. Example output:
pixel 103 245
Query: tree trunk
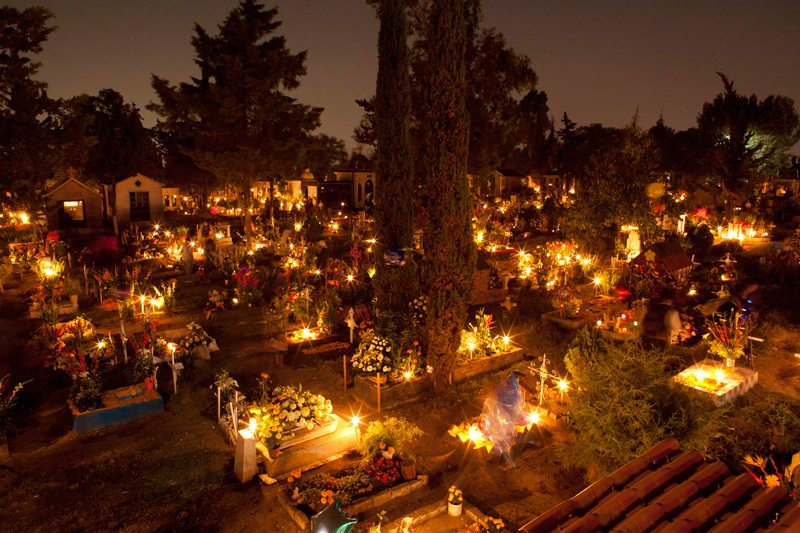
pixel 248 226
pixel 270 201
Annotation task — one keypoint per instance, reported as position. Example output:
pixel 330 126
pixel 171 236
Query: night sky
pixel 599 61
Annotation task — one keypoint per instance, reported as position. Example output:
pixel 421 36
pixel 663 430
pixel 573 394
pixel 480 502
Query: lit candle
pixel 142 300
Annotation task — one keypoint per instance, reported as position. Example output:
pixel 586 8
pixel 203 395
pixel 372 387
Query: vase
pixel 387 455
pixel 730 362
pixel 408 469
pixel 454 510
pixel 274 452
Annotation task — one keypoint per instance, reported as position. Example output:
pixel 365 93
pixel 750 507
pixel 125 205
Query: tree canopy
pixel 243 125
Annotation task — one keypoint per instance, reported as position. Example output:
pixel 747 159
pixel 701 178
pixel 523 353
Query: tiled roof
pixel 665 490
pixel 669 253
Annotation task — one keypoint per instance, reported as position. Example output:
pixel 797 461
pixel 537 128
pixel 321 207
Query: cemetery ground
pixel 173 471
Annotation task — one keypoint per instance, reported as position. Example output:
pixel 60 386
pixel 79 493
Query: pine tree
pixel 244 127
pixel 395 286
pixel 449 247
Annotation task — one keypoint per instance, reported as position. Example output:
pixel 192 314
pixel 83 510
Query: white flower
pixel 380 357
pixel 369 368
pixel 386 369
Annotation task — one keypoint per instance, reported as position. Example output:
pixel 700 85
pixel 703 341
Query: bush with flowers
pixel 419 308
pixel 312 493
pixel 389 435
pixel 374 354
pixel 494 525
pixel 248 287
pixel 217 299
pixel 382 471
pixel 478 341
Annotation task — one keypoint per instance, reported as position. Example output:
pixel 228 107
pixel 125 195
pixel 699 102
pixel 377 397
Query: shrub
pixel 395 433
pixel 625 403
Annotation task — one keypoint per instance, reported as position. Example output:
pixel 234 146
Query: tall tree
pixel 27 125
pixel 244 126
pixel 751 138
pixel 119 145
pixel 449 261
pixel 394 173
pixel 613 187
pixel 321 154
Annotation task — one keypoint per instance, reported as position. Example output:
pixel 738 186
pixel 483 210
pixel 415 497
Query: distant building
pixel 305 186
pixel 507 180
pixel 74 205
pixel 138 199
pixel 361 175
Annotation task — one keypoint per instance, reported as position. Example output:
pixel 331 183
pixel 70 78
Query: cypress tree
pixel 395 286
pixel 449 247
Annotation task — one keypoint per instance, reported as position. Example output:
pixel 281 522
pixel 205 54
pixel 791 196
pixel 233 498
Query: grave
pixel 721 383
pixel 303 449
pixel 434 519
pixel 121 405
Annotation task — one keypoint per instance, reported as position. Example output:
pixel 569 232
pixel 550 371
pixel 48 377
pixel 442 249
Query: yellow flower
pixel 383 446
pixel 458 493
pixel 772 480
pixel 390 450
pixel 450 498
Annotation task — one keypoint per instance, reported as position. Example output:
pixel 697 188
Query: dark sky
pixel 597 60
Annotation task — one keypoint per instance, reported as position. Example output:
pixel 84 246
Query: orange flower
pixel 383 446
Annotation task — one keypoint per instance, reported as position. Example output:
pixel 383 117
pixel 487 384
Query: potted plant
pixel 373 356
pixel 455 501
pixel 408 468
pixel 728 337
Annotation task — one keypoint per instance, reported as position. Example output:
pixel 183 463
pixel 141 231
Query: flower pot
pixel 408 469
pixel 386 455
pixel 274 452
pixel 454 510
pixel 730 362
pixel 148 383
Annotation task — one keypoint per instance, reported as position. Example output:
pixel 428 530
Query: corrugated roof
pixel 668 253
pixel 667 490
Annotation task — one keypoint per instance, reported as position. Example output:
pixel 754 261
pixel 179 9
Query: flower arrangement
pixel 217 299
pixel 374 354
pixel 728 336
pixel 319 490
pixel 299 408
pixel 494 525
pixel 269 428
pixel 454 496
pixel 8 398
pixel 770 479
pixel 248 287
pixel 85 376
pixel 226 385
pixel 478 342
pixel 419 308
pixel 197 337
pixel 382 471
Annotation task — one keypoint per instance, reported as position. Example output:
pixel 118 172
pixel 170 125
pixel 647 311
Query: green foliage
pixel 47 311
pixel 8 399
pixel 701 238
pixel 397 433
pixel 613 188
pixel 449 245
pixel 625 402
pixel 394 172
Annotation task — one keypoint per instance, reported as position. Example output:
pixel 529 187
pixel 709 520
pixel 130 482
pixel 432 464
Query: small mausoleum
pixel 305 186
pixel 667 257
pixel 138 199
pixel 74 205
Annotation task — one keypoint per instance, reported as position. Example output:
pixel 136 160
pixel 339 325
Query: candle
pixel 142 300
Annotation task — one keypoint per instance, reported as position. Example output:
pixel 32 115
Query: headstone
pixel 634 244
pixel 244 464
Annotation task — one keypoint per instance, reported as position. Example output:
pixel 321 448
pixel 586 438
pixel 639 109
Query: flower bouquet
pixel 197 337
pixel 494 525
pixel 374 354
pixel 382 471
pixel 728 337
pixel 217 299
